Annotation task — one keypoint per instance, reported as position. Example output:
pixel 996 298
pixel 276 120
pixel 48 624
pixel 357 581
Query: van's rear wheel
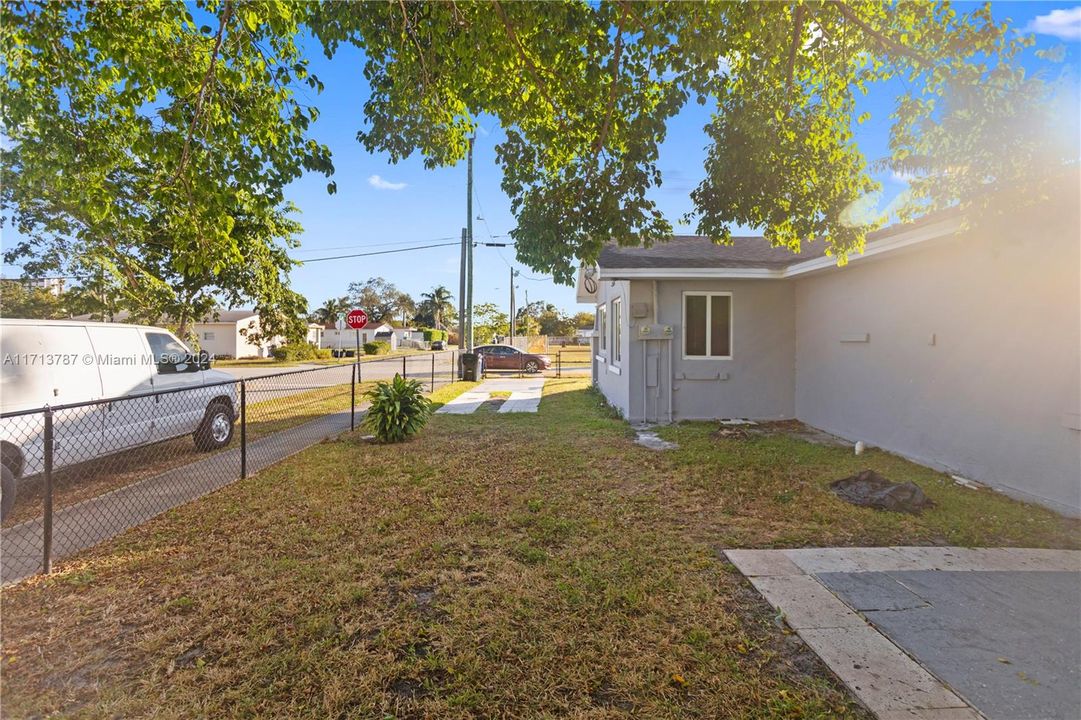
pixel 7 491
pixel 216 429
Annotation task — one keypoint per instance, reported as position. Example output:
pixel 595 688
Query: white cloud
pixel 1063 24
pixel 380 184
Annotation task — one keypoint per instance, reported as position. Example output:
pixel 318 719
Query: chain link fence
pixel 75 475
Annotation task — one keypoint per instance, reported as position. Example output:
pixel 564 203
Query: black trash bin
pixel 472 366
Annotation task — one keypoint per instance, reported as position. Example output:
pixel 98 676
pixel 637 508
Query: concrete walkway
pixel 92 521
pixel 525 396
pixel 935 633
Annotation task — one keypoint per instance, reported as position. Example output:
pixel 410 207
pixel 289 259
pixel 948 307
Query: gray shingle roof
pixel 695 251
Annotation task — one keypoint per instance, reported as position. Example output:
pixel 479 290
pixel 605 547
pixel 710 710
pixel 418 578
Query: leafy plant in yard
pixel 399 409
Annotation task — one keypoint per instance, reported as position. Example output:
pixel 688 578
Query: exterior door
pixel 177 413
pixel 125 369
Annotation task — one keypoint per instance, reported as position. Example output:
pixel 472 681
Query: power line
pixel 380 252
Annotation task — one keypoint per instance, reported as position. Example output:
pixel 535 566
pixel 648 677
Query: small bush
pixel 322 353
pixel 399 409
pixel 290 353
pixel 431 335
pixel 379 347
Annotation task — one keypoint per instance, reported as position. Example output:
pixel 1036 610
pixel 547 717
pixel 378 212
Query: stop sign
pixel 357 319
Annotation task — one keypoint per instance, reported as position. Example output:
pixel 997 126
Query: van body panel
pixel 61 362
pixel 125 369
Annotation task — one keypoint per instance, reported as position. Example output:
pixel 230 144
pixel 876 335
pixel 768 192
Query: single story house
pixel 222 333
pixel 227 333
pixel 409 337
pixel 349 338
pixel 957 348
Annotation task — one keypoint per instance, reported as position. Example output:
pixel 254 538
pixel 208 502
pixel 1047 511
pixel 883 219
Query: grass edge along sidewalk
pixel 495 565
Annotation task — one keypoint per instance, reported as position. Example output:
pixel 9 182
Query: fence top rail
pixel 189 388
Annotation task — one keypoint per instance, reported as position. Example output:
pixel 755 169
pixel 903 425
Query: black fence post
pixel 47 526
pixel 353 399
pixel 243 429
pixel 403 366
pixel 559 363
pixel 433 372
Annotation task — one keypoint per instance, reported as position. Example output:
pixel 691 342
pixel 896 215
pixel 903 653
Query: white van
pixel 58 363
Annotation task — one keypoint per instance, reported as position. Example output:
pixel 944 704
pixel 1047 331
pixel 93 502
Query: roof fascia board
pixel 892 244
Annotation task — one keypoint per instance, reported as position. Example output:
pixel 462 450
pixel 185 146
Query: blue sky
pixel 380 206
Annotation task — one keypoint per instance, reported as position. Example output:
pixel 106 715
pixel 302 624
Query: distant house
pixel 222 333
pixel 960 350
pixel 227 333
pixel 349 338
pixel 314 335
pixel 408 337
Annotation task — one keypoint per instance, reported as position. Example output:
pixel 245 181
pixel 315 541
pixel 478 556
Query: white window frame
pixel 602 326
pixel 616 324
pixel 208 335
pixel 709 312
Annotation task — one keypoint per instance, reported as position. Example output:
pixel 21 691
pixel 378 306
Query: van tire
pixel 216 429
pixel 7 491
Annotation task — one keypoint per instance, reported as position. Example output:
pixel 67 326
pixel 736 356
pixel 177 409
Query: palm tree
pixel 439 301
pixel 328 311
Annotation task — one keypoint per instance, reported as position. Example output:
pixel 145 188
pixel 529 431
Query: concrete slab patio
pixel 525 396
pixel 938 633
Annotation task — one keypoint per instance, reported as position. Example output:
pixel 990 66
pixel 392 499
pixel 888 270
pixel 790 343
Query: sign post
pixel 357 319
pixel 339 325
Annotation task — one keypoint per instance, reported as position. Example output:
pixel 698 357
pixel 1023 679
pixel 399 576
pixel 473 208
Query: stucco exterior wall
pixel 224 338
pixel 972 362
pixel 612 377
pixel 758 381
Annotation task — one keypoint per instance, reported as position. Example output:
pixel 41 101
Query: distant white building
pixel 53 285
pixel 223 333
pixel 349 339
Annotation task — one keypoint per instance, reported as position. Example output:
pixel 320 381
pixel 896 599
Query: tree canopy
pixel 156 147
pixel 382 300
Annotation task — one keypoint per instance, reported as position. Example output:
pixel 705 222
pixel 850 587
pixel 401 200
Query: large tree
pixel 130 125
pixel 382 300
pixel 152 142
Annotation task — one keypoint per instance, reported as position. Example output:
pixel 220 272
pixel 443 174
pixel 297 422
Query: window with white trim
pixel 707 325
pixel 209 335
pixel 602 326
pixel 617 324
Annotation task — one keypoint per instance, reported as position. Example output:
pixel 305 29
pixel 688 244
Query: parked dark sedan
pixel 505 357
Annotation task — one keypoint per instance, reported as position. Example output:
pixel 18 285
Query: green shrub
pixel 291 353
pixel 322 353
pixel 379 347
pixel 398 410
pixel 431 335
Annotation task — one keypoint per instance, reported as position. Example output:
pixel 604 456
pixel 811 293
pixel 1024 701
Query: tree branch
pixel 528 62
pixel 226 12
pixel 884 40
pixel 617 55
pixel 797 37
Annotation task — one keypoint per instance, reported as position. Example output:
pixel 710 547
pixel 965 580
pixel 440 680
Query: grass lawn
pixel 500 565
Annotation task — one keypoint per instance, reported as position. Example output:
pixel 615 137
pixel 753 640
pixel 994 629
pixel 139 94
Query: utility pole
pixel 469 248
pixel 461 296
pixel 512 274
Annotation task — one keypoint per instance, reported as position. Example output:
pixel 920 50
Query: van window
pixel 171 355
